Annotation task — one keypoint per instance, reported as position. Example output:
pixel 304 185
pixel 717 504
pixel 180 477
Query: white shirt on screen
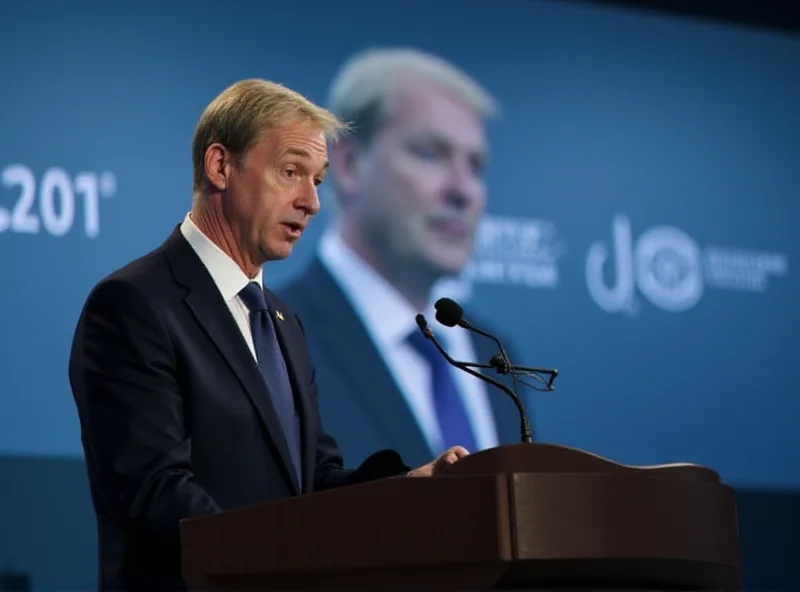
pixel 389 319
pixel 227 275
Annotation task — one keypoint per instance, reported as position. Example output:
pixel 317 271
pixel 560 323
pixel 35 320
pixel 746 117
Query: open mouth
pixel 294 229
pixel 451 229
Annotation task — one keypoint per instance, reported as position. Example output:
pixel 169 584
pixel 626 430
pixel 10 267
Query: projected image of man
pixel 409 194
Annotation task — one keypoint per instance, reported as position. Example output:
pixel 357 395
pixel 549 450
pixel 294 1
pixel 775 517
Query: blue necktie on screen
pixel 273 369
pixel 450 409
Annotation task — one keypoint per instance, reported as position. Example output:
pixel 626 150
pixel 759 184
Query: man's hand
pixel 447 458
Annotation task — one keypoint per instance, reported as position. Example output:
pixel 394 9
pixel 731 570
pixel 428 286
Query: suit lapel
pixel 349 349
pixel 213 315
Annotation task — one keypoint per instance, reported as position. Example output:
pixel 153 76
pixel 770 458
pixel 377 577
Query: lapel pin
pixel 279 314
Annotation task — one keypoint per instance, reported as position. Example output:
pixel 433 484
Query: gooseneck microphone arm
pixel 502 368
pixel 450 314
pixel 504 364
pixel 525 428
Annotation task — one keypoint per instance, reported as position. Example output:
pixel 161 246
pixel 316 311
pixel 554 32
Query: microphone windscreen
pixel 448 312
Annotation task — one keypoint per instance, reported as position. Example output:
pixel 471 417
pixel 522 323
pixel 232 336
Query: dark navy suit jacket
pixel 360 400
pixel 176 419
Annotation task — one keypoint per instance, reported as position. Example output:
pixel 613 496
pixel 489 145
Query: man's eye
pixel 427 152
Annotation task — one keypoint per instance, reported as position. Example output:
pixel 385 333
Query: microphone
pixel 449 313
pixel 525 427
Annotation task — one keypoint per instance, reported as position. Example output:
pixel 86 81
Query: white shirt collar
pixel 226 273
pixel 384 310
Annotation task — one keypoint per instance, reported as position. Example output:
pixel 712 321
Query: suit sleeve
pixel 329 470
pixel 330 473
pixel 123 374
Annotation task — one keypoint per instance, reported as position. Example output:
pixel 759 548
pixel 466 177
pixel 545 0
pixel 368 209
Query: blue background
pixel 605 112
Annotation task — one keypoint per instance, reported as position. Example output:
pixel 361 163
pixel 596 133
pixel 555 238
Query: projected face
pixel 273 195
pixel 418 190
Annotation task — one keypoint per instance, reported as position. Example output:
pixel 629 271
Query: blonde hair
pixel 362 88
pixel 241 113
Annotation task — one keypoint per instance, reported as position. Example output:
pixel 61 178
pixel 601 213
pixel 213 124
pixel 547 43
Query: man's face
pixel 419 187
pixel 272 196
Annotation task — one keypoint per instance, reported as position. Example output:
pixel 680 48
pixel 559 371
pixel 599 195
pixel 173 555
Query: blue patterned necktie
pixel 273 369
pixel 450 409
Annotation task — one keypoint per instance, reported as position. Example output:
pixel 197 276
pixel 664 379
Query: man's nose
pixel 463 185
pixel 456 197
pixel 309 200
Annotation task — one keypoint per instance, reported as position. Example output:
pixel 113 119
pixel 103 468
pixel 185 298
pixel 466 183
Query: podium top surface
pixel 552 458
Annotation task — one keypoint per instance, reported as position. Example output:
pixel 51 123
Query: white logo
pixel 511 251
pixel 54 202
pixel 670 269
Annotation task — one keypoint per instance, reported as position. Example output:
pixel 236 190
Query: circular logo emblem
pixel 669 268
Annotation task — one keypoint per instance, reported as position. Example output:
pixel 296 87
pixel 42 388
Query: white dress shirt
pixel 389 320
pixel 227 275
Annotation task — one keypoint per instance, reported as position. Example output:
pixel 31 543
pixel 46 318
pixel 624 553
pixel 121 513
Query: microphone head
pixel 448 312
pixel 422 323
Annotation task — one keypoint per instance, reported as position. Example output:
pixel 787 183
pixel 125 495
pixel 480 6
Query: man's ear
pixel 344 157
pixel 217 166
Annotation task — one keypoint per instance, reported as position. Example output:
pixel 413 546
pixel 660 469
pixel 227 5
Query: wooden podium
pixel 525 516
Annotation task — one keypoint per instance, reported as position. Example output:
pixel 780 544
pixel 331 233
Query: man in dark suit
pixel 409 193
pixel 194 386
